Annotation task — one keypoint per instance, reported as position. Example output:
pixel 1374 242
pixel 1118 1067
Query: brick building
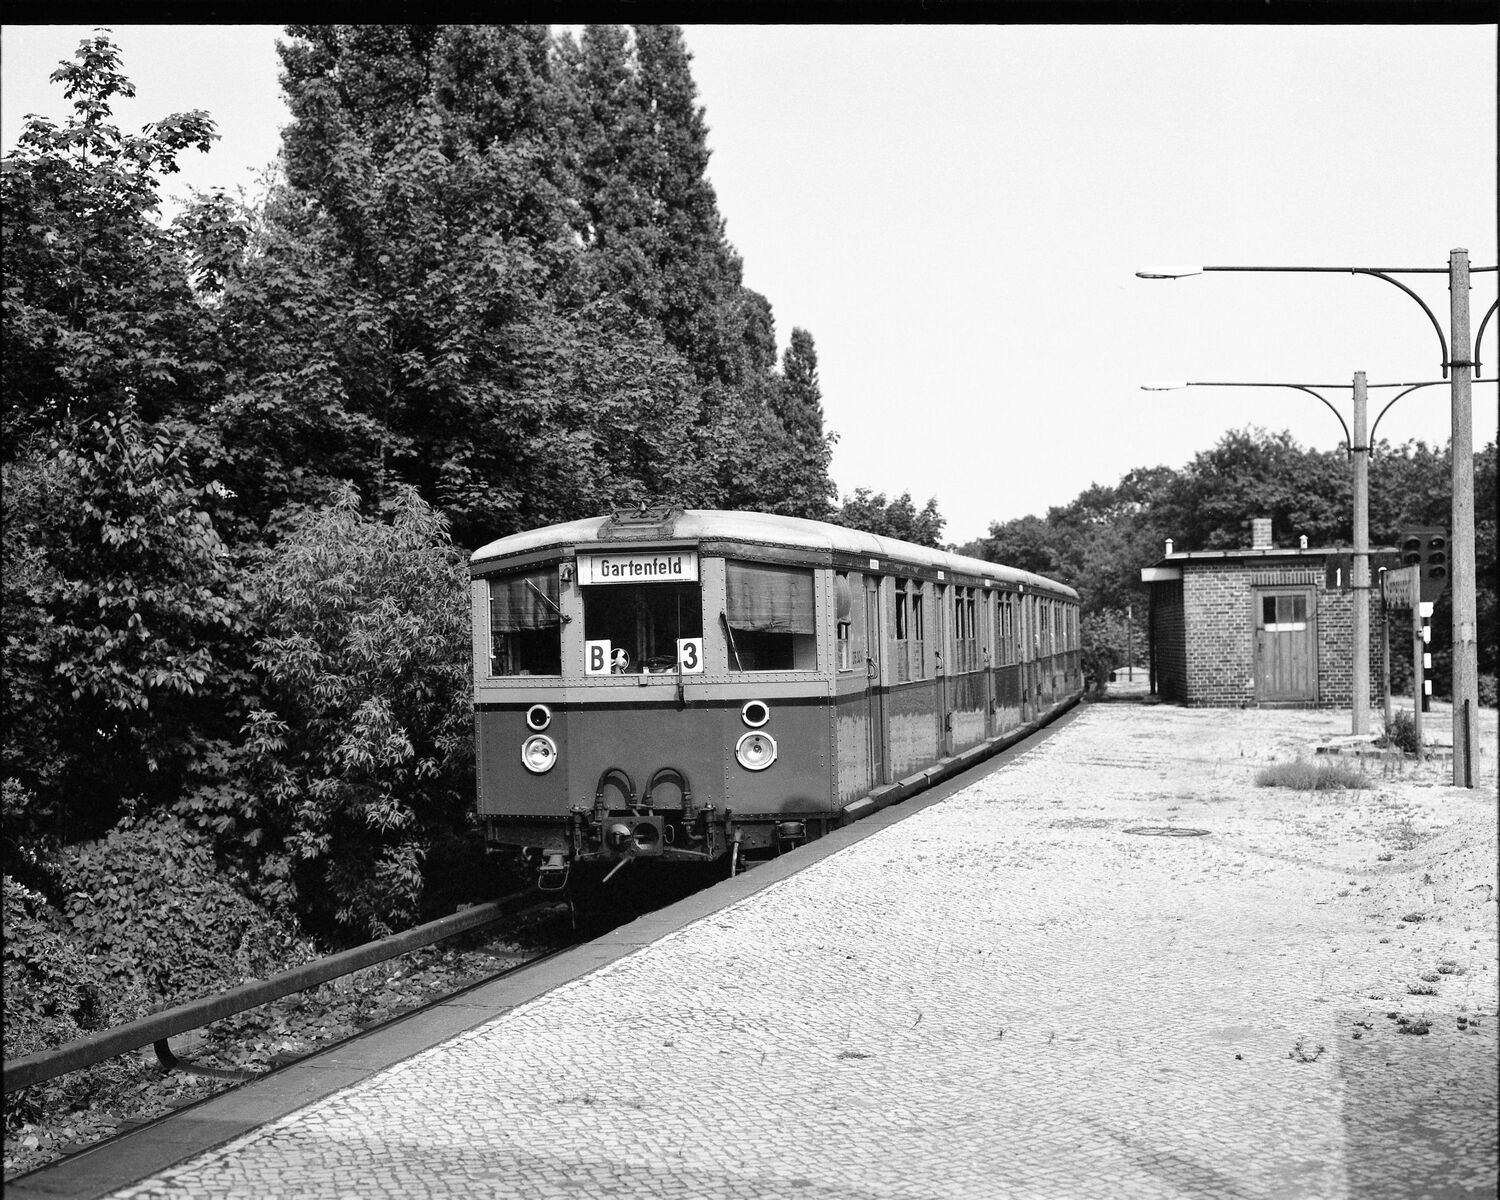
pixel 1260 626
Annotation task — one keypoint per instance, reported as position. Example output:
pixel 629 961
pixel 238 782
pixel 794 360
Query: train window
pixel 965 632
pixel 1012 618
pixel 772 621
pixel 645 620
pixel 843 620
pixel 911 647
pixel 525 624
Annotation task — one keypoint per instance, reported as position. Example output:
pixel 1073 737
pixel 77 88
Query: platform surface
pixel 1048 984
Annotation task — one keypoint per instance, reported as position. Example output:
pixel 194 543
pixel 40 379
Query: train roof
pixel 696 525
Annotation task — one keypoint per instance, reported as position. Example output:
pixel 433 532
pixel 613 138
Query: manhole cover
pixel 1167 831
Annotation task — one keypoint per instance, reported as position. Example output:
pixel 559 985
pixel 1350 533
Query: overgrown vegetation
pixel 1401 733
pixel 360 748
pixel 1304 776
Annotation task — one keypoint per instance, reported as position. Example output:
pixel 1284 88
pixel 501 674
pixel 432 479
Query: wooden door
pixel 1286 646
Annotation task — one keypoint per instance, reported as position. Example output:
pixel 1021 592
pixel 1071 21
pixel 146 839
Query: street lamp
pixel 1464 366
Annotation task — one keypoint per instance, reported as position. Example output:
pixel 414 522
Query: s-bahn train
pixel 690 685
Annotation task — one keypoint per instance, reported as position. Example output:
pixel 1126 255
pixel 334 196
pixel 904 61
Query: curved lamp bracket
pixel 1374 424
pixel 1480 336
pixel 1328 404
pixel 1430 383
pixel 1442 338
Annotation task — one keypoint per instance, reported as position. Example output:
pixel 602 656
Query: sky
pixel 956 214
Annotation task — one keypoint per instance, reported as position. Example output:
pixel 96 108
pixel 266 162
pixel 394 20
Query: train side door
pixel 1028 656
pixel 942 637
pixel 989 656
pixel 874 696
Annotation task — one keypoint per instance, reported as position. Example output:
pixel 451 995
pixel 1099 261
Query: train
pixel 671 686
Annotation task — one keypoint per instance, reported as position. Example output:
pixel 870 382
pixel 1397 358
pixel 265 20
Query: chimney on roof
pixel 1260 533
pixel 1169 545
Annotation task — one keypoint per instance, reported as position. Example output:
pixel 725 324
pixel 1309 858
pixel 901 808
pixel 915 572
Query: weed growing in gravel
pixel 1421 989
pixel 1304 776
pixel 1299 1052
pixel 1401 733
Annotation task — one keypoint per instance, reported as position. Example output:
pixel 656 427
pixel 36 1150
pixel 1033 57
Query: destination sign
pixel 660 566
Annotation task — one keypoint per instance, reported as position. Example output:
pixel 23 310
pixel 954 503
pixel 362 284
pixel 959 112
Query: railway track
pixel 351 1007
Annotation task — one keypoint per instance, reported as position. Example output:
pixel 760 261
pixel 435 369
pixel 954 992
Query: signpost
pixel 1402 588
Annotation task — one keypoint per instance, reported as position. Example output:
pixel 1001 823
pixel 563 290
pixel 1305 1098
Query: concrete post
pixel 1360 451
pixel 1461 537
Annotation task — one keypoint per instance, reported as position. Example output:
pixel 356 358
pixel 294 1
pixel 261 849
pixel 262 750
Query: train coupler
pixel 790 835
pixel 553 875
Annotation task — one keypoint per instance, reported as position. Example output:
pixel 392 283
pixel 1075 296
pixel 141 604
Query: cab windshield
pixel 642 623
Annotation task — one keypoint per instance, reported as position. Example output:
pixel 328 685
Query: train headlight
pixel 755 713
pixel 756 751
pixel 538 717
pixel 538 754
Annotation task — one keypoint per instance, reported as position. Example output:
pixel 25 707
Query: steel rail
pixel 157 1028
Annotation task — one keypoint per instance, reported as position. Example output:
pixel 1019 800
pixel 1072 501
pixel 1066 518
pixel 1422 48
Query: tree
pixel 122 618
pixel 1252 473
pixel 361 751
pixel 896 518
pixel 797 404
pixel 99 312
pixel 487 326
pixel 1027 543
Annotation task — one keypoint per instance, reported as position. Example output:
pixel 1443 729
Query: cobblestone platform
pixel 1027 990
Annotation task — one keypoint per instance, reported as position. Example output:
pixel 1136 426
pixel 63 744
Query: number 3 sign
pixel 690 656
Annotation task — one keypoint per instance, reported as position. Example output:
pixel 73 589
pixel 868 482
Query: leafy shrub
pixel 1305 776
pixel 362 751
pixel 1104 645
pixel 1489 696
pixel 156 913
pixel 1401 733
pixel 53 992
pixel 121 612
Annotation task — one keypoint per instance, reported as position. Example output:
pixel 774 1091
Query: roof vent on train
pixel 645 521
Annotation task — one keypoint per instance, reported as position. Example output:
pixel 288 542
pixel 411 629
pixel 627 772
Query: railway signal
pixel 1426 548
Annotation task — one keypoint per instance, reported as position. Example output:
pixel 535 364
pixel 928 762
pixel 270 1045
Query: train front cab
pixel 664 702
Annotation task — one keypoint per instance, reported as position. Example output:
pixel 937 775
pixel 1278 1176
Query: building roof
pixel 1178 557
pixel 1170 566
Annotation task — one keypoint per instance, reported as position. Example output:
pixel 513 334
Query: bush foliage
pixel 53 993
pixel 361 751
pixel 1402 733
pixel 158 916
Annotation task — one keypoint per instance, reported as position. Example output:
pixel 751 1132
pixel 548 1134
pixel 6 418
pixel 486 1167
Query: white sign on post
pixel 596 658
pixel 1401 587
pixel 690 656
